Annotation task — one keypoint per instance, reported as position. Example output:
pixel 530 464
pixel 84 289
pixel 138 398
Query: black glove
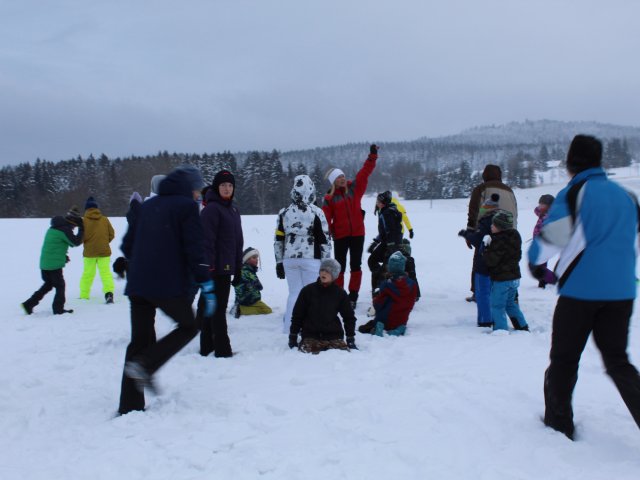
pixel 411 233
pixel 293 339
pixel 537 271
pixel 351 343
pixel 463 233
pixel 372 247
pixel 373 149
pixel 237 279
pixel 120 266
pixel 280 271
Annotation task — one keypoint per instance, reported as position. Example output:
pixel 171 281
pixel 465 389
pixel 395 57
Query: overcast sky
pixel 135 77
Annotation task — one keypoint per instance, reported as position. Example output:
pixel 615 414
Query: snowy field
pixel 448 401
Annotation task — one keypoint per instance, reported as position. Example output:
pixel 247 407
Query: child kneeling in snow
pixel 315 314
pixel 394 302
pixel 248 298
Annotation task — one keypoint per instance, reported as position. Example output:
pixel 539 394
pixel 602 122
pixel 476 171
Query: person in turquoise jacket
pixel 593 226
pixel 53 257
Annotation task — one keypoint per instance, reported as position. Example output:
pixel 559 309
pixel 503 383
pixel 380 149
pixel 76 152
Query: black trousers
pixel 143 346
pixel 354 246
pixel 573 322
pixel 52 279
pixel 214 335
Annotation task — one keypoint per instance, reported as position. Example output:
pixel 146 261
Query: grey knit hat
pixel 331 266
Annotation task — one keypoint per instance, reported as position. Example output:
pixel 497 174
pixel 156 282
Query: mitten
pixel 280 271
pixel 486 240
pixel 120 266
pixel 411 233
pixel 351 343
pixel 237 279
pixel 462 233
pixel 210 301
pixel 293 341
pixel 373 149
pixel 538 271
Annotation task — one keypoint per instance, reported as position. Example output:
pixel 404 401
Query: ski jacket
pixel 390 226
pixel 57 240
pixel 302 230
pixel 483 192
pixel 98 233
pixel 316 310
pixel 503 255
pixel 248 290
pixel 405 218
pixel 223 240
pixel 593 225
pixel 164 244
pixel 394 302
pixel 343 209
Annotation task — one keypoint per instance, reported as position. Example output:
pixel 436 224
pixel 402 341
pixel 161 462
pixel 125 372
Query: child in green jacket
pixel 58 239
pixel 248 298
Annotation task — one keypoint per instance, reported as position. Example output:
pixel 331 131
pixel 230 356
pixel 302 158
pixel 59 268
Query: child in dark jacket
pixel 542 211
pixel 248 297
pixel 315 314
pixel 394 302
pixel 481 278
pixel 502 253
pixel 53 258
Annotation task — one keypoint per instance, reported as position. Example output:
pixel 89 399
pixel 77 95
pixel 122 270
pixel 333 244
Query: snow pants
pixel 503 303
pixel 214 335
pixel 299 272
pixel 103 265
pixel 483 299
pixel 258 308
pixel 52 279
pixel 573 322
pixel 354 246
pixel 143 347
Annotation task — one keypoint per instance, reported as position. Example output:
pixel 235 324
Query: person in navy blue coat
pixel 223 245
pixel 593 225
pixel 165 250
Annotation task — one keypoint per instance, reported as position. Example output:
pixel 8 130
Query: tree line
pixel 264 179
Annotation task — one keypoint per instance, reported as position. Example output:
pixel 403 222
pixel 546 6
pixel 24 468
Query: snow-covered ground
pixel 447 401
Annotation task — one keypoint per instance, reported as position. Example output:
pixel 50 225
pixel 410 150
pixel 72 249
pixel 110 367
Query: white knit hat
pixel 333 174
pixel 248 253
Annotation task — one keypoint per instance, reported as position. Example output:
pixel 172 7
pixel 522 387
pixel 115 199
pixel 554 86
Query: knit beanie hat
pixel 384 197
pixel 546 199
pixel 248 253
pixel 584 152
pixel 223 176
pixel 331 266
pixel 396 263
pixel 492 172
pixel 334 173
pixel 503 220
pixel 489 204
pixel 90 203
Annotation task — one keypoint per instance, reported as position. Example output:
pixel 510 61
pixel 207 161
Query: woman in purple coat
pixel 223 244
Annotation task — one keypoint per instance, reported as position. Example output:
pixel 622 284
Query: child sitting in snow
pixel 502 253
pixel 315 314
pixel 394 301
pixel 542 211
pixel 248 298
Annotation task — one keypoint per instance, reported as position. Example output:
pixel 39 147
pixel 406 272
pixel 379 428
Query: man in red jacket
pixel 345 216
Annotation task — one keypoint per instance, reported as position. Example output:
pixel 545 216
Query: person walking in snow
pixel 482 279
pixel 98 234
pixel 394 302
pixel 247 290
pixel 342 207
pixel 491 183
pixel 542 212
pixel 502 254
pixel 301 241
pixel 315 314
pixel 223 248
pixel 165 250
pixel 53 257
pixel 593 225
